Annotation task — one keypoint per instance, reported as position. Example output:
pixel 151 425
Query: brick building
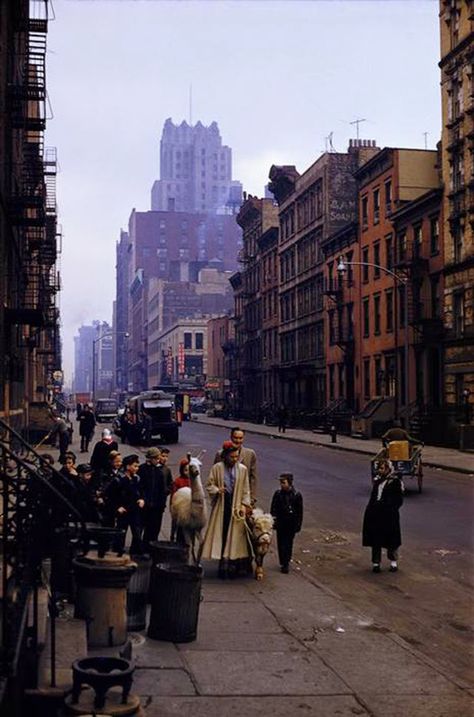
pixel 457 58
pixel 312 207
pixel 30 350
pixel 183 351
pixel 256 288
pixel 220 332
pixel 393 265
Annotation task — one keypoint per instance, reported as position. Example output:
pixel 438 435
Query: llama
pixel 261 531
pixel 188 509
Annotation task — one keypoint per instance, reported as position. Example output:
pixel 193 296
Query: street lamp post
pixel 403 280
pixel 94 342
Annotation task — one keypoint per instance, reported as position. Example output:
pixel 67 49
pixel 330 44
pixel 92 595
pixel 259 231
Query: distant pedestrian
pixel 287 509
pixel 61 431
pixel 282 416
pixel 101 452
pixel 78 410
pixel 86 427
pixel 381 525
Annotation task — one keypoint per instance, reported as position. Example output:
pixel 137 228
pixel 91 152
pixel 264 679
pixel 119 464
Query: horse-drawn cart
pixel 406 460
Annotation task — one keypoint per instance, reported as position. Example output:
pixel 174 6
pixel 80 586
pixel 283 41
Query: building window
pixel 458 313
pixel 365 211
pixel 377 260
pixel 434 235
pixel 376 198
pixel 378 375
pixel 366 378
pixel 388 197
pixel 365 268
pixel 199 340
pixel 435 298
pixel 331 382
pixel 188 340
pixel 402 247
pixel 389 310
pixel 366 317
pixel 389 251
pixel 377 314
pixel 417 241
pixel 457 234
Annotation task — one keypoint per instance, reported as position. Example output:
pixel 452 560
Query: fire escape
pixel 32 205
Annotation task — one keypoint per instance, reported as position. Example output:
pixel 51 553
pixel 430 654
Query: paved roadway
pixel 429 602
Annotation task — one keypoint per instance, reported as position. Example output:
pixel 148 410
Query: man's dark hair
pixel 165 450
pixel 128 460
pixel 236 428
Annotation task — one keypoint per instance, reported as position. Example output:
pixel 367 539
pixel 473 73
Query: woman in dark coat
pixel 381 527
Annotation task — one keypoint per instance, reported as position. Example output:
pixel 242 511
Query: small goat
pixel 261 532
pixel 188 508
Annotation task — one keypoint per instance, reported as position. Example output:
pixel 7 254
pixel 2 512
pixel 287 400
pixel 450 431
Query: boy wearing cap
pixel 86 493
pixel 154 491
pixel 287 509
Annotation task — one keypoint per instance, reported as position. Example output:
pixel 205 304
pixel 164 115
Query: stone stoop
pixel 71 644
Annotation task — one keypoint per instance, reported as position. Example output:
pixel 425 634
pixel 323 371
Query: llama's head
pixel 194 467
pixel 262 530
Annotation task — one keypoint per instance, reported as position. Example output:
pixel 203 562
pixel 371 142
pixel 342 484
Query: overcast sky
pixel 278 78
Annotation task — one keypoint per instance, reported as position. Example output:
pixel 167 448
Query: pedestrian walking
pixel 154 491
pixel 229 490
pixel 287 510
pixel 125 502
pixel 101 452
pixel 381 525
pixel 86 427
pixel 61 432
pixel 282 416
pixel 246 456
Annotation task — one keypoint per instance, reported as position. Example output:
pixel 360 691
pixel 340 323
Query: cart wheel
pixel 420 477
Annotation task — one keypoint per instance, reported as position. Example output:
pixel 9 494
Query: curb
pixel 333 446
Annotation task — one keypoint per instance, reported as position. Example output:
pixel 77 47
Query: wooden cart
pixel 406 461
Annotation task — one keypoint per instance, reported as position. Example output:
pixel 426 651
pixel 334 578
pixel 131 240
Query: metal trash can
pixel 166 551
pixel 102 597
pixel 175 602
pixel 137 593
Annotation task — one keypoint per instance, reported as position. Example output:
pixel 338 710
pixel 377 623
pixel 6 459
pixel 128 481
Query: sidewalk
pixel 288 646
pixel 435 456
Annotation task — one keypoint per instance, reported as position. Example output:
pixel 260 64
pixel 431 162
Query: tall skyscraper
pixel 195 171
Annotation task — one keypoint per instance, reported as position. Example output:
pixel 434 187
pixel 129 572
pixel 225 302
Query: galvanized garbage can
pixel 137 593
pixel 102 597
pixel 175 602
pixel 166 551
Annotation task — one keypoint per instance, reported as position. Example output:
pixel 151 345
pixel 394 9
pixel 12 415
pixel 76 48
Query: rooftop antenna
pixel 425 135
pixel 191 104
pixel 357 123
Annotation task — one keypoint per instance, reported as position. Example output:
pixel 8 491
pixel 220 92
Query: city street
pixel 428 602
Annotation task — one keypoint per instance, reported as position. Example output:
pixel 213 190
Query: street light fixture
pixel 94 341
pixel 403 280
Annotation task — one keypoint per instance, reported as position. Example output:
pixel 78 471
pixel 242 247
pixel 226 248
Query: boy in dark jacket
pixel 287 509
pixel 125 501
pixel 381 526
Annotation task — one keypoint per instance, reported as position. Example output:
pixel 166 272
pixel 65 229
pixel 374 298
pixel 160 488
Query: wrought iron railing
pixel 36 502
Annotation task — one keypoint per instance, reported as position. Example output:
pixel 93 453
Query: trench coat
pixel 236 544
pixel 248 457
pixel 381 526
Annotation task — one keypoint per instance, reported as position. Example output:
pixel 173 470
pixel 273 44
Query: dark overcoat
pixel 381 526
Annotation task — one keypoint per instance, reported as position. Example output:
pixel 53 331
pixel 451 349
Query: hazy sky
pixel 278 77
